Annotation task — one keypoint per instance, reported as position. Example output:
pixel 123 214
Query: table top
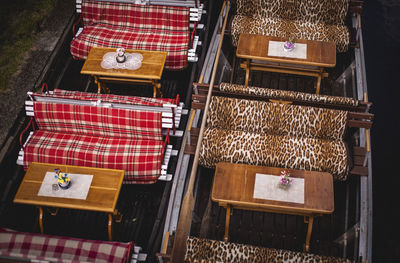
pixel 152 64
pixel 319 53
pixel 234 185
pixel 103 192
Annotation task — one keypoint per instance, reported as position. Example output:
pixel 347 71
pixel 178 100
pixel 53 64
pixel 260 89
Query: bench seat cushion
pixel 140 158
pixel 304 153
pixel 207 250
pixel 39 247
pixel 143 27
pixel 297 29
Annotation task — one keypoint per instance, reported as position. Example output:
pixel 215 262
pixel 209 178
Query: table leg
pixel 227 220
pixel 246 82
pixel 118 218
pixel 156 89
pixel 318 84
pixel 97 81
pixel 310 220
pixel 110 220
pixel 41 219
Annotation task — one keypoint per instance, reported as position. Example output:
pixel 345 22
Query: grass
pixel 20 22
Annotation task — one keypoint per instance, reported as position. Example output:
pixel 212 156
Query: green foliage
pixel 20 22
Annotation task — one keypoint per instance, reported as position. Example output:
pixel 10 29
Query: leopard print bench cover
pixel 199 249
pixel 300 19
pixel 279 119
pixel 278 135
pixel 303 153
pixel 288 95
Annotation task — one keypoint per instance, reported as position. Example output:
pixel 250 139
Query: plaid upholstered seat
pixel 48 248
pixel 147 27
pixel 93 136
pixel 207 250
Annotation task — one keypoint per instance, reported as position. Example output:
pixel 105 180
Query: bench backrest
pixel 289 95
pixel 207 250
pixel 39 247
pixel 98 121
pixel 279 119
pixel 331 12
pixel 143 17
pixel 111 98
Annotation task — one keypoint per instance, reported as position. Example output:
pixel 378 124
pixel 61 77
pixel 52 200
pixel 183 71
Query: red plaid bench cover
pixel 41 247
pixel 94 136
pixel 146 27
pixel 111 98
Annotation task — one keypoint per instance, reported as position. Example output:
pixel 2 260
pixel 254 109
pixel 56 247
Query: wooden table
pixel 233 188
pixel 102 196
pixel 254 49
pixel 149 73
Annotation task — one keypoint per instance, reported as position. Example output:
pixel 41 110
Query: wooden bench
pixel 144 27
pixel 22 246
pixel 292 136
pixel 104 131
pixel 300 19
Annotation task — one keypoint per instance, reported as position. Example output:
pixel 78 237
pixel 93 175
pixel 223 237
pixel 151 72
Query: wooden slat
pixel 197 105
pixel 359 170
pixel 190 149
pixel 359 151
pixel 358 160
pixel 360 124
pixel 199 98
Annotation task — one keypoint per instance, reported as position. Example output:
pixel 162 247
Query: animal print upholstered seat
pixel 207 250
pixel 299 19
pixel 288 95
pixel 269 134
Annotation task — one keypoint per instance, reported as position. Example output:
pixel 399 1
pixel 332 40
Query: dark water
pixel 381 32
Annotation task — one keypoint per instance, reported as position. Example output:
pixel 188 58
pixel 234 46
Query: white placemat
pixel 267 187
pixel 80 184
pixel 275 48
pixel 133 61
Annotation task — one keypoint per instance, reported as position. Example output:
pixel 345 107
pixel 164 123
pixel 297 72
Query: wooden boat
pixel 160 217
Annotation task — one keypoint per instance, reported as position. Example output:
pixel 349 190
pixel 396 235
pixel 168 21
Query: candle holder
pixel 121 58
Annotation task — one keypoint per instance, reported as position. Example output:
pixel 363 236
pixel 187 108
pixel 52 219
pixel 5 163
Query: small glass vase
pixel 121 58
pixel 65 185
pixel 284 186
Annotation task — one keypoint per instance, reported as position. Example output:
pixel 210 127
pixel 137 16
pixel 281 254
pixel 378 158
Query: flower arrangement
pixel 63 179
pixel 285 181
pixel 289 45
